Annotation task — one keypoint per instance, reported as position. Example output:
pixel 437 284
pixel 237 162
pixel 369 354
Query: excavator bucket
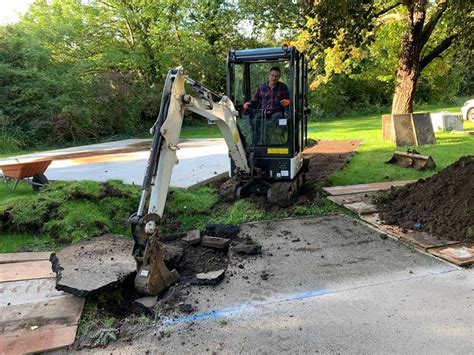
pixel 412 159
pixel 153 276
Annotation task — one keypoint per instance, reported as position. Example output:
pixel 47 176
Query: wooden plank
pixel 425 241
pixel 19 257
pixel 26 270
pixel 361 207
pixel 31 341
pixel 420 240
pixel 59 311
pixel 351 189
pixel 28 291
pixel 461 254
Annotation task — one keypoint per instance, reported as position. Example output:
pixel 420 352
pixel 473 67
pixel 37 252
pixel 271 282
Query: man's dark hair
pixel 275 69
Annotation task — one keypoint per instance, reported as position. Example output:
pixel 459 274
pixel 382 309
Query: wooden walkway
pixel 34 316
pixel 357 199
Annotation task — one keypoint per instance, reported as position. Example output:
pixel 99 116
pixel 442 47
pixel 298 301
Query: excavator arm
pixel 152 274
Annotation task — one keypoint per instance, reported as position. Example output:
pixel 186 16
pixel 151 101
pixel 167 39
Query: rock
pixel 215 242
pixel 145 304
pixel 186 308
pixel 248 249
pixel 210 278
pixel 193 237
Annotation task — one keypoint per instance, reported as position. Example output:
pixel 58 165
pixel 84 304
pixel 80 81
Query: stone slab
pixel 361 207
pixel 461 254
pixel 92 265
pixel 211 277
pixel 351 189
pixel 193 237
pixel 145 304
pixel 215 242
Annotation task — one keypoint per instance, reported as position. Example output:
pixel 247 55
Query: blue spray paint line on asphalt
pixel 294 297
pixel 441 272
pixel 242 307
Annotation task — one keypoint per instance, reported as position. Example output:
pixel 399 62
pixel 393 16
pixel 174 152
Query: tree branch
pixel 433 21
pixel 436 51
pixel 384 11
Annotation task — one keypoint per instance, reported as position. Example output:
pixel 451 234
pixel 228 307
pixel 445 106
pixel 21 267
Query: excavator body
pixel 273 140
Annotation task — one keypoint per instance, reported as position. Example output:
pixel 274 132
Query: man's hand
pixel 285 102
pixel 246 105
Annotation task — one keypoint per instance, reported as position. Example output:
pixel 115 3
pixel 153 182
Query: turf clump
pixel 71 211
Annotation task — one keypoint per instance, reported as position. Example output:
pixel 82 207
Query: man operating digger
pixel 271 96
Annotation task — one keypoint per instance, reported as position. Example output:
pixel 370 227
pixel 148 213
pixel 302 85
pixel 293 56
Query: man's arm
pixel 286 96
pixel 254 101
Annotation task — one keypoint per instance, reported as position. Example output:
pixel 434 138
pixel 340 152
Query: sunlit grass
pixel 368 165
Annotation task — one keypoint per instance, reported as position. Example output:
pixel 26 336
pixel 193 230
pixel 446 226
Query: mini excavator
pixel 265 147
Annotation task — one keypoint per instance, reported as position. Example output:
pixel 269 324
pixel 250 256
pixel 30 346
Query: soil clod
pixel 222 230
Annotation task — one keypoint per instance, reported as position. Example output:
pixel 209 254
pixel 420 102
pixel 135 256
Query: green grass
pixel 368 164
pixel 203 130
pixel 63 213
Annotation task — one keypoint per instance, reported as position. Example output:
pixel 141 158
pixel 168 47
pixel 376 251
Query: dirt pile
pixel 442 205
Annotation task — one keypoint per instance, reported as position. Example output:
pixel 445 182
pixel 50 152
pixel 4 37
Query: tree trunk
pixel 409 63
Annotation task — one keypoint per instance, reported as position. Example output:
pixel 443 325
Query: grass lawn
pixel 368 164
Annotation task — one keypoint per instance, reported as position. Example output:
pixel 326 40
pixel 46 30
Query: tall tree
pixel 340 28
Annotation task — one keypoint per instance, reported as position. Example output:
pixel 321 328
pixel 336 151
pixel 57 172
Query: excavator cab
pixel 274 140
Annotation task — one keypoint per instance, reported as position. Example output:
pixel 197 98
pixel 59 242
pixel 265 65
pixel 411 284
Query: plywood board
pixel 61 311
pixel 350 198
pixel 26 270
pixel 425 241
pixel 27 291
pixel 19 257
pixel 352 189
pixel 420 240
pixel 461 254
pixel 37 340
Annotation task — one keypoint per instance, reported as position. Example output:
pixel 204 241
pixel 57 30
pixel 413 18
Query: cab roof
pixel 261 54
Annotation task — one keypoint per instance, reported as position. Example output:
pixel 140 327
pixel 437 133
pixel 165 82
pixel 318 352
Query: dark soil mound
pixel 442 205
pixel 222 230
